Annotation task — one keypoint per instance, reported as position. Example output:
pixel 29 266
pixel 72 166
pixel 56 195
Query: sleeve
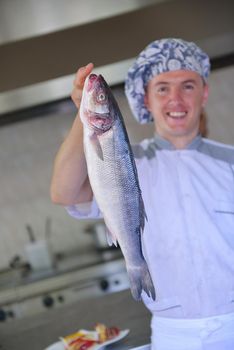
pixel 88 210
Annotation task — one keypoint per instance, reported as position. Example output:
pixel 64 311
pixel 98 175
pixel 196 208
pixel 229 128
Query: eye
pixel 162 90
pixel 189 87
pixel 101 97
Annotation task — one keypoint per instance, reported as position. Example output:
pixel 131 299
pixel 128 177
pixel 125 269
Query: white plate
pixel 142 347
pixel 59 345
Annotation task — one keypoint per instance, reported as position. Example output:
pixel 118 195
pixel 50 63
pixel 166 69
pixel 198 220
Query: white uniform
pixel 188 240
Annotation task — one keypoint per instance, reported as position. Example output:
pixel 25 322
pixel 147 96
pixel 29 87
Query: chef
pixel 187 186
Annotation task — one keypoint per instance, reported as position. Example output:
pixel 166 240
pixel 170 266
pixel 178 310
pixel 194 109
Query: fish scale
pixel 113 177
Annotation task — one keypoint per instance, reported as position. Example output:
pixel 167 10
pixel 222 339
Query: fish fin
pixel 111 238
pixel 140 280
pixel 96 146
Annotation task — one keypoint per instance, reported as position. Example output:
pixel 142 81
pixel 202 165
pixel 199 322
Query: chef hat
pixel 159 57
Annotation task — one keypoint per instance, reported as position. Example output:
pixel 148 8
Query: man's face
pixel 175 99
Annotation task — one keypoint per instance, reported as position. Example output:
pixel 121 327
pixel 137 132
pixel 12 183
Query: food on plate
pixel 88 340
pixel 106 333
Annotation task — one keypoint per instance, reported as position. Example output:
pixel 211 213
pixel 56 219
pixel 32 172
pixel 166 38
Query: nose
pixel 175 96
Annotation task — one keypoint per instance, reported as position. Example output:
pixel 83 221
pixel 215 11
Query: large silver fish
pixel 114 180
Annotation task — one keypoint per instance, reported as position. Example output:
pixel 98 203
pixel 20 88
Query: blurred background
pixel 42 44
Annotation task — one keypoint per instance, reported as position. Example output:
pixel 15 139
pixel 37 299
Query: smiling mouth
pixel 176 115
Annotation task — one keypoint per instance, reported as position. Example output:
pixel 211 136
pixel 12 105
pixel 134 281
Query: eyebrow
pixel 168 82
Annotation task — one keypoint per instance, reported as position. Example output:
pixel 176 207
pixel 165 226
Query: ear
pixel 205 95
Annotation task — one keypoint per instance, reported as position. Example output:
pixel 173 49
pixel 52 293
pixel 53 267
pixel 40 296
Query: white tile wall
pixel 221 105
pixel 27 151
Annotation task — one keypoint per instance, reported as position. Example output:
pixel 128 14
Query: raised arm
pixel 70 183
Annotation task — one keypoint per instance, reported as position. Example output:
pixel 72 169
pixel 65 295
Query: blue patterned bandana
pixel 159 57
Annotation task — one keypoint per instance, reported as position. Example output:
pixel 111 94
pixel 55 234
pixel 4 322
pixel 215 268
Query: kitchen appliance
pixel 38 255
pixel 39 293
pixel 38 251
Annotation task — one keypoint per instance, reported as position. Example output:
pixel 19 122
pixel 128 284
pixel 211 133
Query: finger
pixel 81 75
pixel 76 96
pixel 89 68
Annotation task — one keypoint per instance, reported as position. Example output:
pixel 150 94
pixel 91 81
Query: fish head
pixel 97 108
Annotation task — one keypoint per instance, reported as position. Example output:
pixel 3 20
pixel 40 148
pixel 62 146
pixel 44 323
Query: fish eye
pixel 101 97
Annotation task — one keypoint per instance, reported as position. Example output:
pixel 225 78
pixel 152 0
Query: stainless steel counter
pixel 62 289
pixel 119 309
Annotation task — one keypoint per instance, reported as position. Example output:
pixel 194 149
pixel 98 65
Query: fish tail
pixel 140 280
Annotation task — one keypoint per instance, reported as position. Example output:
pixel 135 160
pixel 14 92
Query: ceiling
pixel 42 43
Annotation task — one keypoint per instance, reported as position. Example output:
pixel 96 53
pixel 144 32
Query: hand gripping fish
pixel 114 180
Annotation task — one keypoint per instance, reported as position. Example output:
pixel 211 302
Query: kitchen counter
pixel 117 309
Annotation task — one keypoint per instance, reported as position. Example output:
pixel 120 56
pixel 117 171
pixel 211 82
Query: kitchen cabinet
pixel 116 309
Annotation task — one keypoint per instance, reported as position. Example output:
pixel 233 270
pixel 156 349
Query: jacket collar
pixel 162 143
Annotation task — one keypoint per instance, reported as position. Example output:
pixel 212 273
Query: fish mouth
pixel 101 121
pixel 91 81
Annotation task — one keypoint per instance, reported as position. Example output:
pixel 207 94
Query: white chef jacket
pixel 188 241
